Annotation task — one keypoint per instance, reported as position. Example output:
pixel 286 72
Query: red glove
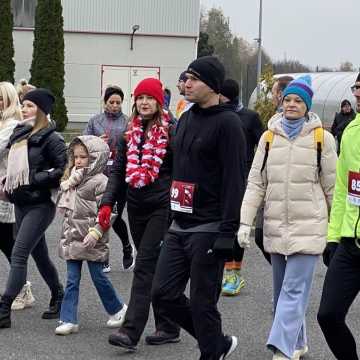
pixel 104 217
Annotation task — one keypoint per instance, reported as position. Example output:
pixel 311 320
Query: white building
pixel 98 38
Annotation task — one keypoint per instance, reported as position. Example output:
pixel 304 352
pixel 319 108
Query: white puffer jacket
pixel 297 200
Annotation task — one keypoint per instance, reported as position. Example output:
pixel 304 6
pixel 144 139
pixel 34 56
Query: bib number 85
pixel 355 185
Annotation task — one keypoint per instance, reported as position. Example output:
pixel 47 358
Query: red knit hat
pixel 151 87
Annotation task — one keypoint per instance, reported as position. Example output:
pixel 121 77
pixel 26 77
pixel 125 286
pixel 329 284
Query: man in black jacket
pixel 233 281
pixel 341 121
pixel 209 154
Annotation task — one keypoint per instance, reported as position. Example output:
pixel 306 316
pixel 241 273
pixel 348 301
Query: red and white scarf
pixel 140 173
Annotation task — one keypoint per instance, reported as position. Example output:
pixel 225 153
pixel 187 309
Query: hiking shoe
pixel 231 343
pixel 234 283
pixel 123 340
pixel 128 258
pixel 66 329
pixel 5 314
pixel 106 268
pixel 116 320
pixel 161 338
pixel 25 298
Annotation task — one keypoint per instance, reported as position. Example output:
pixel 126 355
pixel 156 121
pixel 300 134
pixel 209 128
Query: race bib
pixel 354 188
pixel 182 196
pixel 110 161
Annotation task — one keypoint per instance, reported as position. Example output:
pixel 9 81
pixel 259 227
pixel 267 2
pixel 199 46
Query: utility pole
pixel 259 40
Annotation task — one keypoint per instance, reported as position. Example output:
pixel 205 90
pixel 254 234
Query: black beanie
pixel 358 78
pixel 42 98
pixel 345 102
pixel 209 70
pixel 111 90
pixel 230 89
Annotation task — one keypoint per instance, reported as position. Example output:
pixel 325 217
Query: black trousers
pixel 31 223
pixel 7 239
pixel 120 226
pixel 187 256
pixel 148 231
pixel 341 286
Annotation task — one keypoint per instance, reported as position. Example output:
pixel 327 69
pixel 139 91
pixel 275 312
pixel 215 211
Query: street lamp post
pixel 259 40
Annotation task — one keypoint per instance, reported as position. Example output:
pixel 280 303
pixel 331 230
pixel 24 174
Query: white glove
pixel 65 185
pixel 244 236
pixel 89 241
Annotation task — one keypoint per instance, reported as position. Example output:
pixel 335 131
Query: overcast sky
pixel 315 32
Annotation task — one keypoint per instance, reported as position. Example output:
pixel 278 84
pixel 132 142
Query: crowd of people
pixel 194 184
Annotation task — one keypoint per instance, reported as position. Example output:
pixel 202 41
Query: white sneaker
pixel 300 353
pixel 232 343
pixel 106 268
pixel 279 356
pixel 116 320
pixel 66 329
pixel 25 298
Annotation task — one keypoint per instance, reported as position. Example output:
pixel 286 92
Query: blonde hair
pixel 23 87
pixel 11 103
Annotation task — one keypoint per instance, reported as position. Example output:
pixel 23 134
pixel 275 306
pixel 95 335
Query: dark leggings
pixel 341 286
pixel 31 222
pixel 7 239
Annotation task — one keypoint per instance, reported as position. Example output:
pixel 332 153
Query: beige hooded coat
pixel 297 200
pixel 88 195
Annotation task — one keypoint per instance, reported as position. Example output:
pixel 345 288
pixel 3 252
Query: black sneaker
pixel 161 338
pixel 128 258
pixel 55 305
pixel 123 340
pixel 231 343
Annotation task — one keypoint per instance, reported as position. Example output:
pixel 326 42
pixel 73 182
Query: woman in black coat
pixel 37 159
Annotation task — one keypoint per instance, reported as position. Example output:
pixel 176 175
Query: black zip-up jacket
pixel 253 129
pixel 46 151
pixel 209 150
pixel 147 198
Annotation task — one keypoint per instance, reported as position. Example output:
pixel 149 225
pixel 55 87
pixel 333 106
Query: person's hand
pixel 65 185
pixel 244 236
pixel 89 241
pixel 329 252
pixel 104 137
pixel 104 215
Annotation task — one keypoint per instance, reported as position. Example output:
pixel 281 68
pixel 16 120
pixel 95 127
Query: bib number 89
pixel 175 192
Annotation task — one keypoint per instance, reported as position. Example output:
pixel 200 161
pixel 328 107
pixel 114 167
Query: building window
pixel 24 13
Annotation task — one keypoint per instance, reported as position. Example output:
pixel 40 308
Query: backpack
pixel 318 141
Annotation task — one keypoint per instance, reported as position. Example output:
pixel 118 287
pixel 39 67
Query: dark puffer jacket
pixel 47 162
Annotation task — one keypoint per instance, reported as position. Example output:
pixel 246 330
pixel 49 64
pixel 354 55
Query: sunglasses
pixel 355 88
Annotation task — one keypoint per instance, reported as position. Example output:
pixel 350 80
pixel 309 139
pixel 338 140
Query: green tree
pixel 264 105
pixel 47 67
pixel 7 65
pixel 204 48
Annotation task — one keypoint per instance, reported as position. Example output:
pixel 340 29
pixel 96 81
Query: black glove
pixel 329 252
pixel 224 246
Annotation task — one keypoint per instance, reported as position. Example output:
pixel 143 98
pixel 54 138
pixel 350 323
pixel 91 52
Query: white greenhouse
pixel 330 88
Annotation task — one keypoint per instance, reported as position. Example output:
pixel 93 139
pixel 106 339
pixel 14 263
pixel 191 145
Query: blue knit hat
pixel 302 88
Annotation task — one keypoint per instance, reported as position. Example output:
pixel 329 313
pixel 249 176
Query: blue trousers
pixel 108 296
pixel 292 279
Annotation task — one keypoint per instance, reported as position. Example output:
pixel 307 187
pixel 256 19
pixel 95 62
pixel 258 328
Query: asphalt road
pixel 248 316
